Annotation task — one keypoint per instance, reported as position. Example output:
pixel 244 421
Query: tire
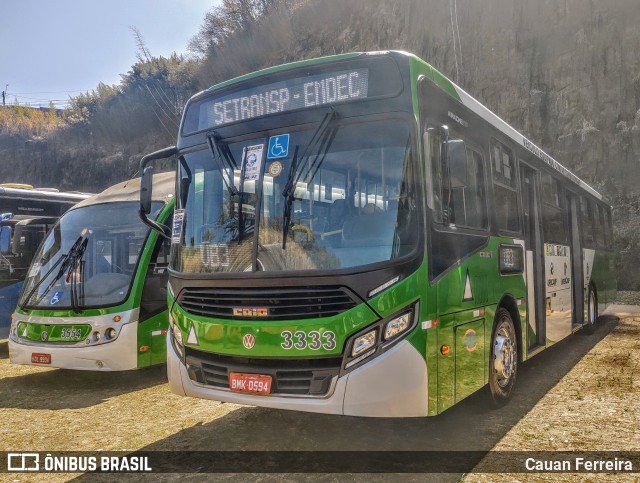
pixel 592 311
pixel 503 359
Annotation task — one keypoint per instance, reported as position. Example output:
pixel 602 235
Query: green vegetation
pixel 565 75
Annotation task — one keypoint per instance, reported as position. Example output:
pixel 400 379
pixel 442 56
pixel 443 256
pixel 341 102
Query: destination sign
pixel 282 96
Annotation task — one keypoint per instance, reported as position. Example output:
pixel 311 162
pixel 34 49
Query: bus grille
pixel 280 303
pixel 302 377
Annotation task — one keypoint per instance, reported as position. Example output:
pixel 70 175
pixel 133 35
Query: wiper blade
pixel 320 133
pixel 219 149
pixel 319 144
pixel 288 193
pixel 64 260
pixel 75 271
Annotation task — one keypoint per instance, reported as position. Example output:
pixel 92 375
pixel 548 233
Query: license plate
pixel 37 358
pixel 251 383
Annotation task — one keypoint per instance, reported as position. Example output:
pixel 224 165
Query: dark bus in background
pixel 26 214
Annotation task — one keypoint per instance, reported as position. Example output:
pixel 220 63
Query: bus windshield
pixel 113 238
pixel 285 202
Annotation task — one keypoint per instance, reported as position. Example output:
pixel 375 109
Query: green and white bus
pixel 95 294
pixel 357 235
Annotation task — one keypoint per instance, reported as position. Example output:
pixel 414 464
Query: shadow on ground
pixel 4 349
pixel 66 389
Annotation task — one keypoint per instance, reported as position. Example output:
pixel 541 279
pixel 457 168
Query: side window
pixel 163 254
pixel 505 188
pixel 598 210
pixel 608 227
pixel 553 210
pixel 154 291
pixel 433 142
pixel 463 189
pixel 586 217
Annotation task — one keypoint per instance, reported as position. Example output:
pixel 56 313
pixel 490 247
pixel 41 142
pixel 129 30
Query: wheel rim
pixel 592 308
pixel 504 354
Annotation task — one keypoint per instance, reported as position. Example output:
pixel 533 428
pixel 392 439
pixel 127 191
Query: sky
pixel 53 49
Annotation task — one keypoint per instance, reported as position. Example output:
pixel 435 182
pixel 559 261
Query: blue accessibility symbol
pixel 278 146
pixel 55 300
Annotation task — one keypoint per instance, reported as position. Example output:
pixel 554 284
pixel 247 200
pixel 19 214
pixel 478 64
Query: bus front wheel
pixel 503 362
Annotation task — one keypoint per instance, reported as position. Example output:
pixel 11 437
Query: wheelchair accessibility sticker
pixel 278 146
pixel 56 298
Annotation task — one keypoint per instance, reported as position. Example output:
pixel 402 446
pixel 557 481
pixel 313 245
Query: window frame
pixel 516 160
pixel 431 194
pixel 561 207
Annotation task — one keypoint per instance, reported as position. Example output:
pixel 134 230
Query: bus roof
pixel 163 190
pixel 42 194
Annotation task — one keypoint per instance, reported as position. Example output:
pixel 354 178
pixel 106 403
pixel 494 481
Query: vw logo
pixel 44 335
pixel 248 341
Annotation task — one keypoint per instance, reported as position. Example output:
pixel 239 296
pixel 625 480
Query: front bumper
pixel 118 355
pixel 394 384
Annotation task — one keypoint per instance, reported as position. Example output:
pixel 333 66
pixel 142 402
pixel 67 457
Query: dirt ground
pixel 581 394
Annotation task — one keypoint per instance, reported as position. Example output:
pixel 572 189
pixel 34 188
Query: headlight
pixel 366 345
pixel 13 331
pixel 110 333
pixel 176 336
pixel 363 343
pixel 397 326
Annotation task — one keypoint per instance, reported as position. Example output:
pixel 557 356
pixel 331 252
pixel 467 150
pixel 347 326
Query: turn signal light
pixel 444 350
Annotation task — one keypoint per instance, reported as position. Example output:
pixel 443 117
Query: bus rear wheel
pixel 592 312
pixel 503 362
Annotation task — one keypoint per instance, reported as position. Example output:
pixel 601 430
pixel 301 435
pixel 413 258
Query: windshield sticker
pixel 55 300
pixel 252 162
pixel 278 146
pixel 275 168
pixel 176 229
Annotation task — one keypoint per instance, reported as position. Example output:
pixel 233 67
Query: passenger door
pixel 534 257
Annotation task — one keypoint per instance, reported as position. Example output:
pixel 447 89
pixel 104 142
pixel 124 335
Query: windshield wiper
pixel 288 194
pixel 65 261
pixel 219 149
pixel 318 146
pixel 75 272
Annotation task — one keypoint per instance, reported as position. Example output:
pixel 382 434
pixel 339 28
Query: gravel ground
pixel 628 298
pixel 581 394
pixel 595 407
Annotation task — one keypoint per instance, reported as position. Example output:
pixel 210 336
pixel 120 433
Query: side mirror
pixel 5 240
pixel 146 189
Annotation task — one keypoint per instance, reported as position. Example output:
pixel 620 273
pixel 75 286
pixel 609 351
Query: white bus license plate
pixel 38 358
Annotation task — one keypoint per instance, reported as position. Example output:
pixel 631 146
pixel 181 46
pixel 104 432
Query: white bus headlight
pixel 176 336
pixel 363 343
pixel 110 333
pixel 397 326
pixel 13 331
